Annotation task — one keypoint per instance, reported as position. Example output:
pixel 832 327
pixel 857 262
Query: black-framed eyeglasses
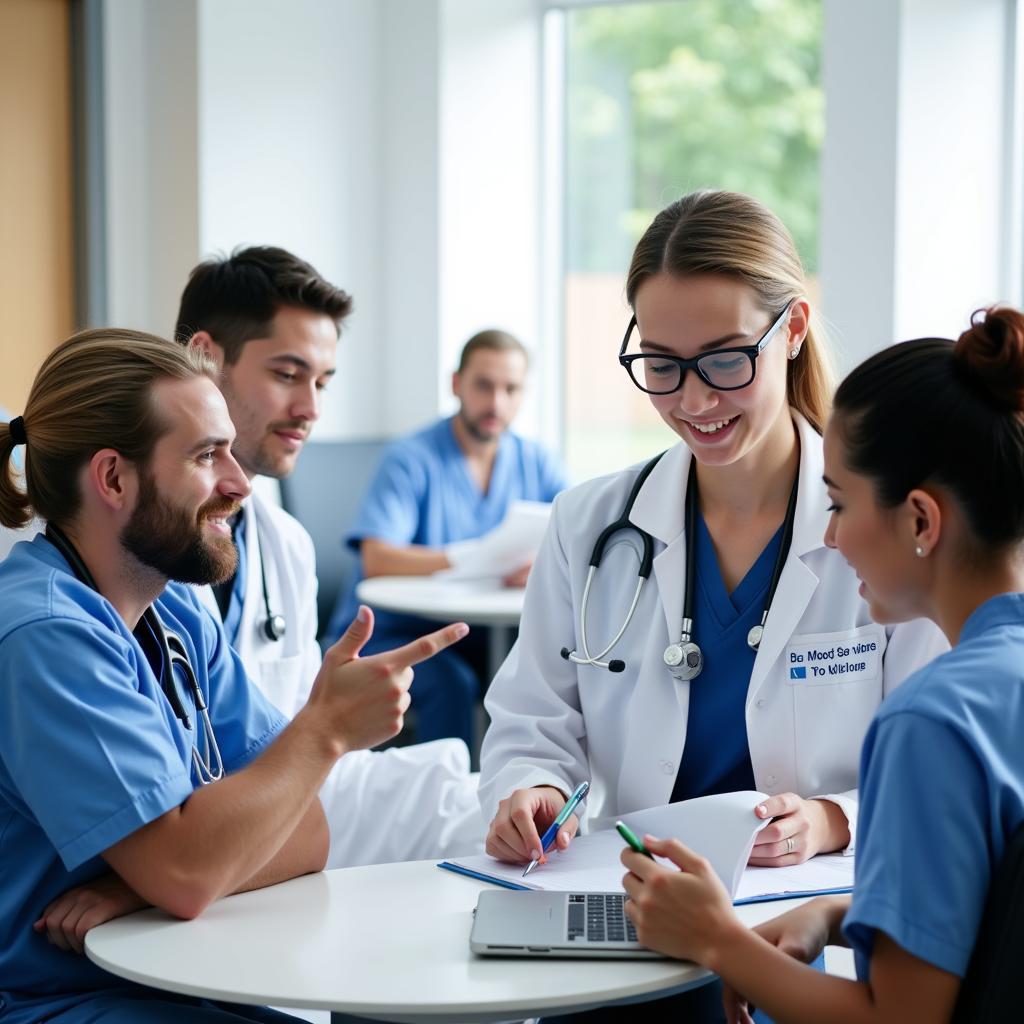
pixel 724 369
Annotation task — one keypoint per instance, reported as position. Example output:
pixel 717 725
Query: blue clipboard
pixel 772 897
pixel 481 877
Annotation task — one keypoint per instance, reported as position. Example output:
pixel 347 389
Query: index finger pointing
pixel 427 646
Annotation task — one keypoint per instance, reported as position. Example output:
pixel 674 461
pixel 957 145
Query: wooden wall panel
pixel 36 215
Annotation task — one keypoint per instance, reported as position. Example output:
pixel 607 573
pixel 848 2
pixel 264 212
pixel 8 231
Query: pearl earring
pixel 794 352
pixel 919 551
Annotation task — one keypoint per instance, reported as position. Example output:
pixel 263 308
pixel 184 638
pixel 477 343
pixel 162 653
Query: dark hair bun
pixel 990 356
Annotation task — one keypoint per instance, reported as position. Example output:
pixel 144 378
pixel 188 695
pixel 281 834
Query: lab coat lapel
pixel 206 597
pixel 797 583
pixel 252 603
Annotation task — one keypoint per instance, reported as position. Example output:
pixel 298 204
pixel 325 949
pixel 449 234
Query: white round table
pixel 389 942
pixel 477 602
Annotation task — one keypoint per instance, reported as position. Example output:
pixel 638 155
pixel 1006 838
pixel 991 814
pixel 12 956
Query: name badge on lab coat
pixel 850 656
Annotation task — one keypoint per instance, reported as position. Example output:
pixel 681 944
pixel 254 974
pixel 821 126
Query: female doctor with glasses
pixel 748 658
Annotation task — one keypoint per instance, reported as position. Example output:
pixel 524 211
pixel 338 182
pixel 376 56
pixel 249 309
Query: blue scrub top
pixel 716 755
pixel 424 493
pixel 941 794
pixel 90 751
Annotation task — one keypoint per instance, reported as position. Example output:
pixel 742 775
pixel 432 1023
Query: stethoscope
pixel 684 659
pixel 274 626
pixel 162 647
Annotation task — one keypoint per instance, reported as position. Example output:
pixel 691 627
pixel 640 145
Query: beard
pixel 170 539
pixel 479 432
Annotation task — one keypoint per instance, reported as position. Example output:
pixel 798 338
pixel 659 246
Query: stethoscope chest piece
pixel 685 660
pixel 275 627
pixel 754 637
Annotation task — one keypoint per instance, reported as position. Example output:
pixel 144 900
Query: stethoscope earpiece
pixel 615 665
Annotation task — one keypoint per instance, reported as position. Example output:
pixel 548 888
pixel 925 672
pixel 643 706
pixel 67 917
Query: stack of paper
pixel 826 873
pixel 720 828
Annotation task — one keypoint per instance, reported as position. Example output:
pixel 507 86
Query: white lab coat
pixel 398 804
pixel 556 723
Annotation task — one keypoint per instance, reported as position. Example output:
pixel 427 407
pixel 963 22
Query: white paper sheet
pixel 721 828
pixel 509 546
pixel 828 872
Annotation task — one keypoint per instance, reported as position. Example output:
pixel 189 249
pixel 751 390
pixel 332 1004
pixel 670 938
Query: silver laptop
pixel 509 923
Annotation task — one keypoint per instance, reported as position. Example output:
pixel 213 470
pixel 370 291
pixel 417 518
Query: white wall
pixel 289 132
pixel 151 156
pixel 951 162
pixel 490 237
pixel 857 252
pixel 393 144
pixel 917 223
pixel 409 172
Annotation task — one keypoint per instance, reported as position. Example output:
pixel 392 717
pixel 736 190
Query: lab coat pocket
pixel 835 681
pixel 279 681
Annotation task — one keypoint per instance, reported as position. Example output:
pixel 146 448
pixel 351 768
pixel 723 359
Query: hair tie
pixel 17 430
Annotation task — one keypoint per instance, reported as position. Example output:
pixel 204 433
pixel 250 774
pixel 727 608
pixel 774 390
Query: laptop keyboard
pixel 599 917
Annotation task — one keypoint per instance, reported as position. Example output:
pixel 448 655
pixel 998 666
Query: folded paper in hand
pixel 513 543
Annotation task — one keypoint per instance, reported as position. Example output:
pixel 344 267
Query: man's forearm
pixel 380 559
pixel 302 853
pixel 68 918
pixel 225 834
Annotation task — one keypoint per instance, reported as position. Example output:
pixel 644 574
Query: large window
pixel 662 98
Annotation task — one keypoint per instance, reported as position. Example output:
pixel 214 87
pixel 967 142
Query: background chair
pixel 992 986
pixel 324 493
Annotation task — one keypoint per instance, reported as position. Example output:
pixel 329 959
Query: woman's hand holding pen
pixel 800 829
pixel 514 835
pixel 687 913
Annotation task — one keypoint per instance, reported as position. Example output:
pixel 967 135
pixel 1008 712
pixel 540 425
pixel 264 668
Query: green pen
pixel 631 840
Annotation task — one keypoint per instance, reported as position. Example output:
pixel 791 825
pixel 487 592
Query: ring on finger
pixel 790 844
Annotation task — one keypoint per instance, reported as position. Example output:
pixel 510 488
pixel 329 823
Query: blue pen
pixel 563 816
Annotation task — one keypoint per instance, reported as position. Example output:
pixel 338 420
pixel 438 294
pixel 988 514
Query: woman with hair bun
pixel 924 463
